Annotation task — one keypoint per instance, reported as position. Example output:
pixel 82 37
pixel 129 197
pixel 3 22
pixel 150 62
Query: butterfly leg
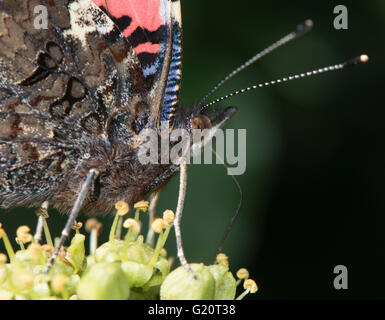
pixel 87 185
pixel 154 199
pixel 178 216
pixel 41 213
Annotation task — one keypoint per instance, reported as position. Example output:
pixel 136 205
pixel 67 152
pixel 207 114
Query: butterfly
pixel 79 82
pixel 76 94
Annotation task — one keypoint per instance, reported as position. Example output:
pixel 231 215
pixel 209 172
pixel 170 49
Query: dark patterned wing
pixel 67 78
pixel 154 29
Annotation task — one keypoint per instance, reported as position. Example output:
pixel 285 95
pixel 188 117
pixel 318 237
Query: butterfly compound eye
pixel 201 122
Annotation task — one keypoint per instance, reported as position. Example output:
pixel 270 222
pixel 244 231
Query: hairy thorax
pixel 121 177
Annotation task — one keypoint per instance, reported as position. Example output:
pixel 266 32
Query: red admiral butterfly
pixel 74 97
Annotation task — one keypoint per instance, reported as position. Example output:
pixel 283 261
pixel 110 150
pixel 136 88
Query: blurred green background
pixel 315 180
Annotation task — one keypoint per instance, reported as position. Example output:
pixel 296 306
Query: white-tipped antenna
pixel 358 60
pixel 300 30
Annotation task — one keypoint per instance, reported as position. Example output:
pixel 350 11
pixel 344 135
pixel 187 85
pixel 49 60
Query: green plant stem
pixel 137 215
pixel 158 247
pixel 113 227
pixel 8 247
pixel 47 233
pixel 166 233
pixel 119 228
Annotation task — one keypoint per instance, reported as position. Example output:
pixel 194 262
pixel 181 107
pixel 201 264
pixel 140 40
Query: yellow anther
pixel 168 217
pixel 157 225
pixel 77 225
pixel 243 273
pixel 132 224
pixel 249 284
pixel 122 208
pixel 223 259
pixel 42 212
pixel 142 205
pixel 23 234
pixel 93 223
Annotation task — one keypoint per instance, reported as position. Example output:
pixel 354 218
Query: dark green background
pixel 315 181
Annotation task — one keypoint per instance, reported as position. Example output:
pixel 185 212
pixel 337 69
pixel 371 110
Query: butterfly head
pixel 211 119
pixel 205 125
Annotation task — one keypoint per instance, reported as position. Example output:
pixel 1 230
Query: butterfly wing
pixel 154 29
pixel 62 86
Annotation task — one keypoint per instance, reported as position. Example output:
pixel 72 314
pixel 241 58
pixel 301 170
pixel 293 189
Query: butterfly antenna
pixel 300 30
pixel 231 223
pixel 355 61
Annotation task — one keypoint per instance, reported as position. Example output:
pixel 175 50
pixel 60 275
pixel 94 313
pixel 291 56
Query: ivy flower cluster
pixel 125 267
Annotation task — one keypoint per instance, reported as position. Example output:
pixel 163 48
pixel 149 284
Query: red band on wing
pixel 147 47
pixel 144 13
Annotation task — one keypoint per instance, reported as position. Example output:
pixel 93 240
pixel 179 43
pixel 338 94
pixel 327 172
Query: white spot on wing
pixel 86 18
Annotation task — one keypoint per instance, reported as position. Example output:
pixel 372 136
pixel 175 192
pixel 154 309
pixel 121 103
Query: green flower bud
pixel 23 259
pixel 110 251
pixel 104 281
pixel 139 252
pixel 61 267
pixel 137 273
pixel 21 279
pixel 76 252
pixel 180 285
pixel 225 284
